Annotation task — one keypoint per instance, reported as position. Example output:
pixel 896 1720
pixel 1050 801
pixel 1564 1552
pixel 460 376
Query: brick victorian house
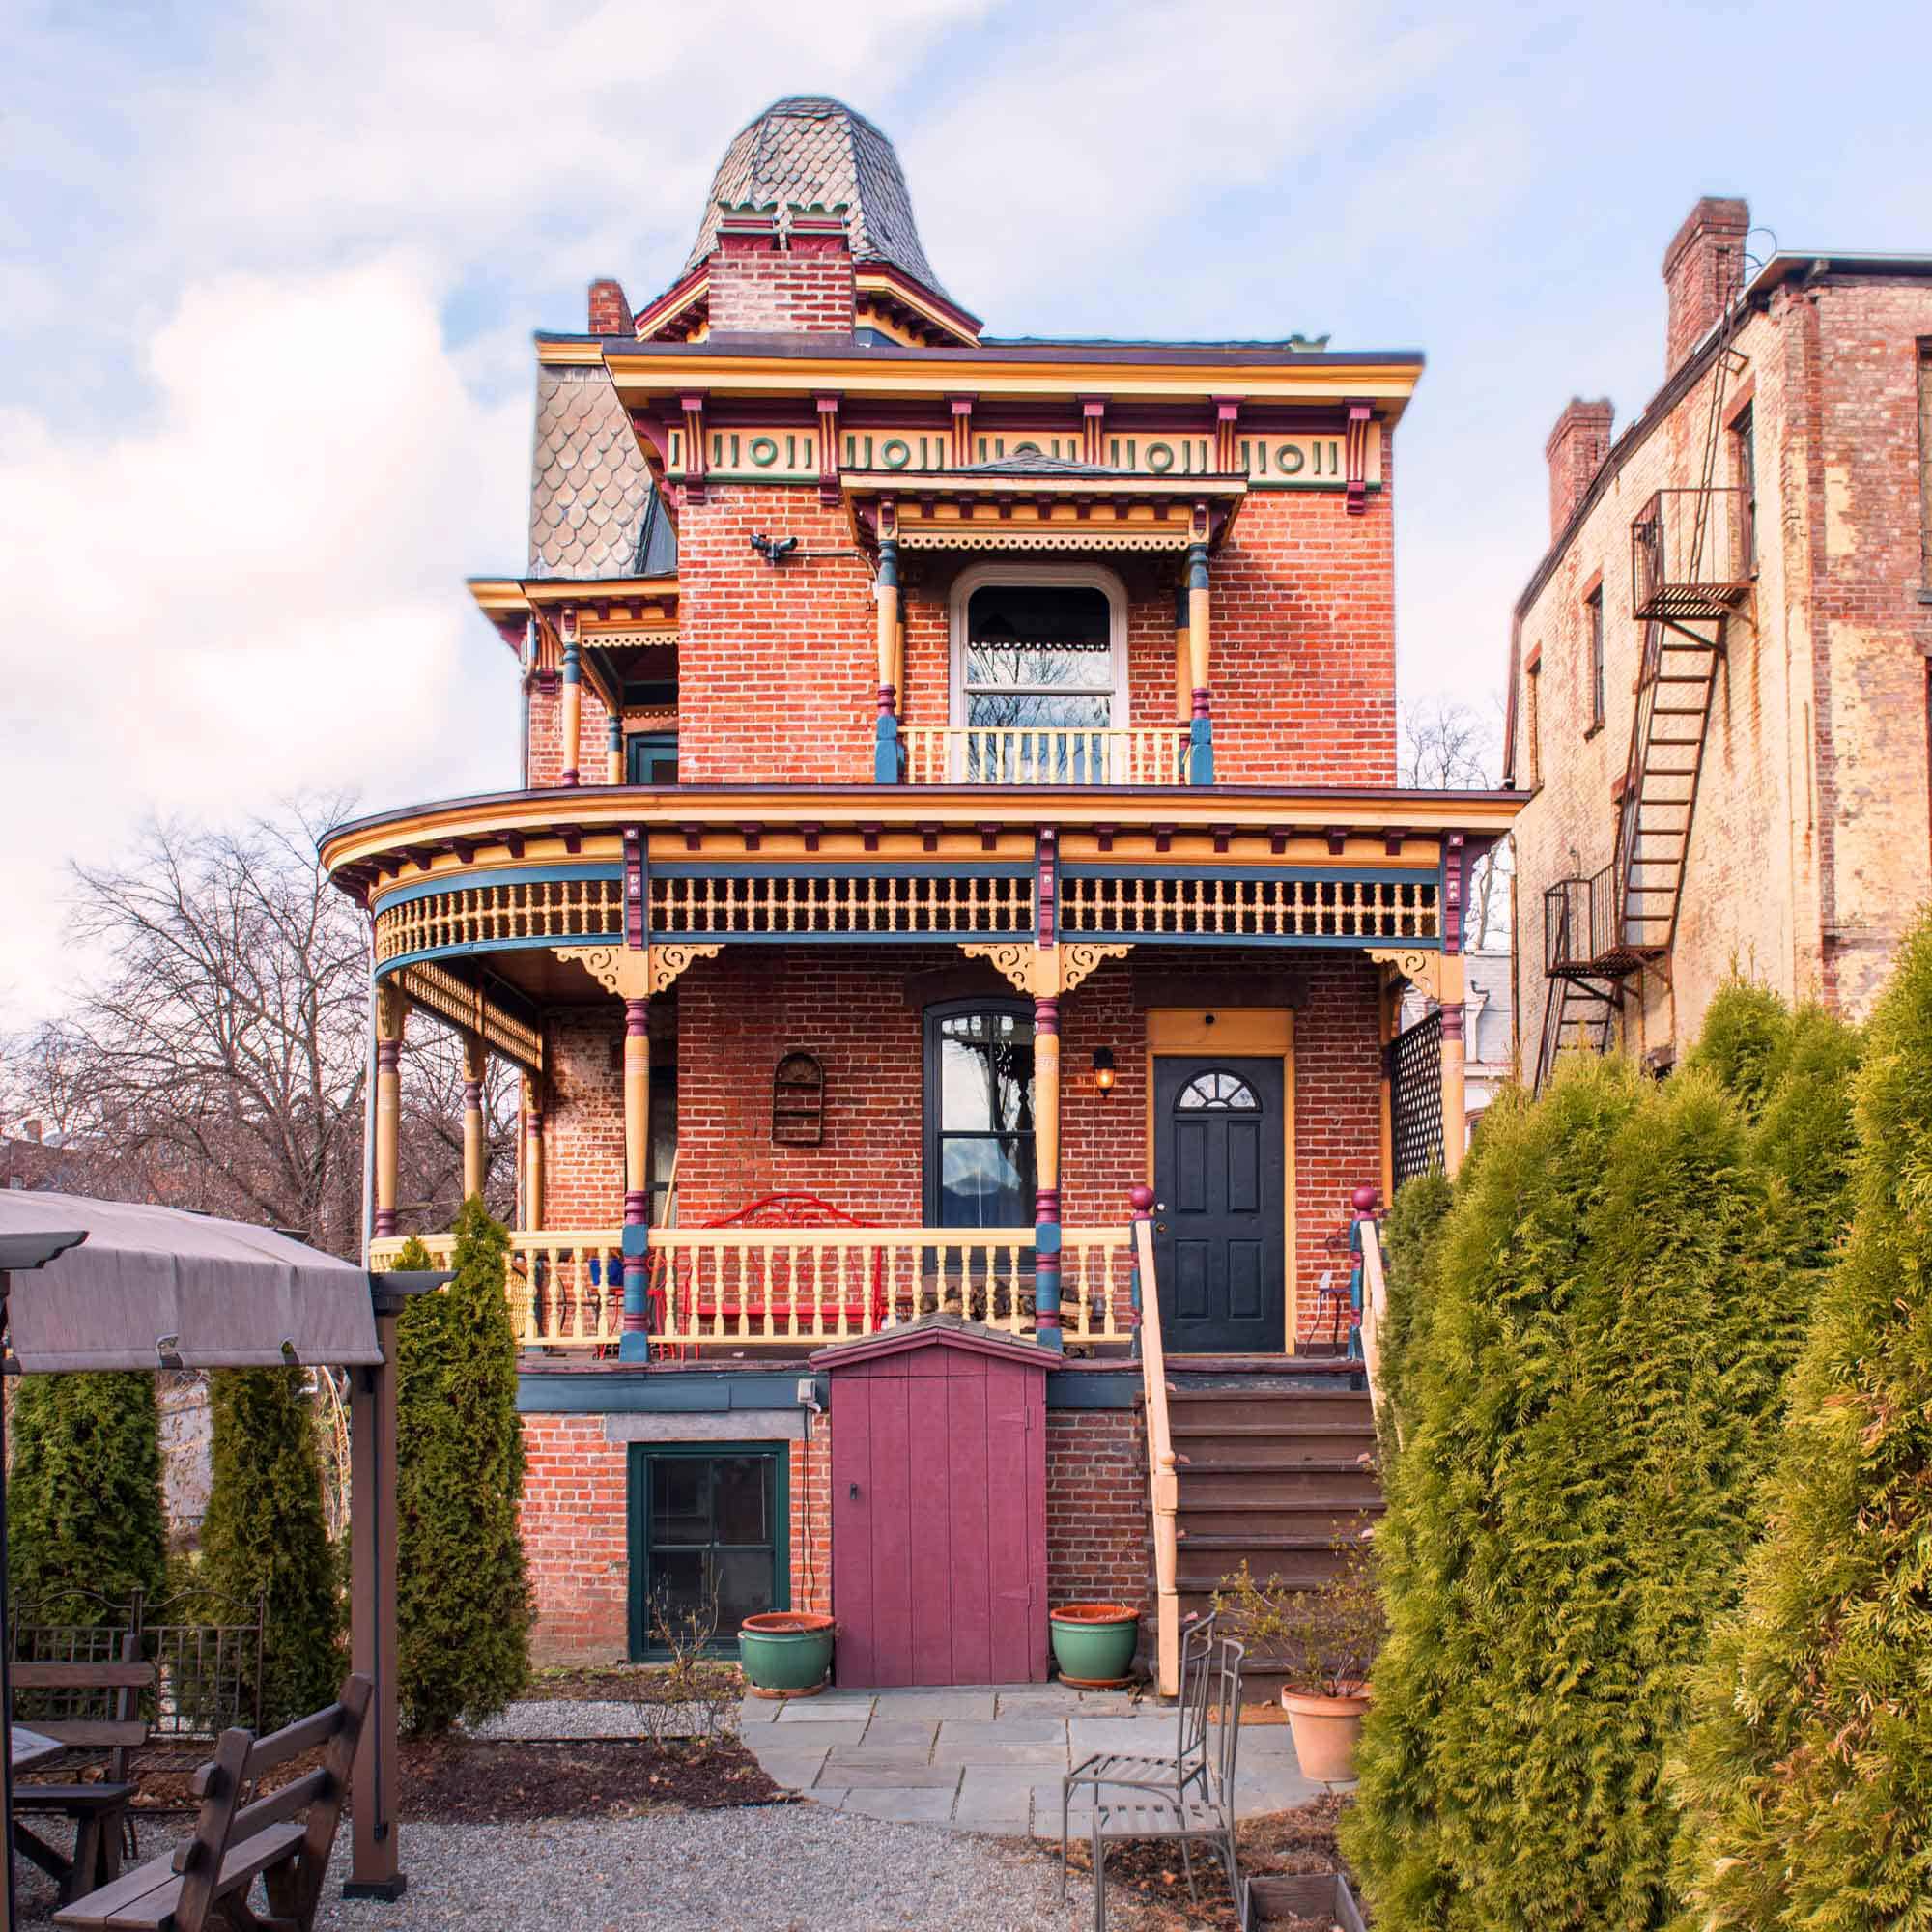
pixel 959 787
pixel 1719 689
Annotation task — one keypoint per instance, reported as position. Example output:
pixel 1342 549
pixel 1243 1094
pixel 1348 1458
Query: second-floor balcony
pixel 1045 754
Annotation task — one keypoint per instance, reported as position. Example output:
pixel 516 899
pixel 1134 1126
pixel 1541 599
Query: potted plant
pixel 1325 1639
pixel 1093 1644
pixel 786 1652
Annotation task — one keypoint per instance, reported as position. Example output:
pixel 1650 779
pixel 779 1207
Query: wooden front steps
pixel 1274 1463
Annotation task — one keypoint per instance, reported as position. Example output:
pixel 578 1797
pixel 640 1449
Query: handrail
pixel 1375 1312
pixel 1081 755
pixel 1163 1481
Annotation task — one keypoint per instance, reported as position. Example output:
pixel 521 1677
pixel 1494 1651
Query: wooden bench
pixel 98 1810
pixel 284 1839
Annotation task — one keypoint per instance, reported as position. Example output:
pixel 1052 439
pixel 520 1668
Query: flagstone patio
pixel 983 1760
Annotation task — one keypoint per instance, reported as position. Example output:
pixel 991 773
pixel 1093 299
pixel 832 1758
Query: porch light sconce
pixel 1103 1069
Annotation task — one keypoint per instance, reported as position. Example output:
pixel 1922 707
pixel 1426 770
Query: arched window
pixel 978 1169
pixel 1217 1093
pixel 1039 647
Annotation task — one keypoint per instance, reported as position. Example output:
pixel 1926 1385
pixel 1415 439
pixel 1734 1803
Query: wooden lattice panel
pixel 1416 1099
pixel 1250 908
pixel 835 905
pixel 497 914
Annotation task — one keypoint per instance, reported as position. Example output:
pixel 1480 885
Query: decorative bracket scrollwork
pixel 635 972
pixel 1082 956
pixel 1436 975
pixel 1010 958
pixel 669 961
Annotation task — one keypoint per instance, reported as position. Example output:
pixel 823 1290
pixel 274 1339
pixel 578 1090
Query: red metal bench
pixel 675 1284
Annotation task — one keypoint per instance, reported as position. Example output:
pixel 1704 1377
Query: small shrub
pixel 265 1536
pixel 1327 1635
pixel 463 1598
pixel 696 1694
pixel 84 1500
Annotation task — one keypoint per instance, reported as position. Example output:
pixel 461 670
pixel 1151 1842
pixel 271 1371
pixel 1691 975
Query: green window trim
pixel 638 1526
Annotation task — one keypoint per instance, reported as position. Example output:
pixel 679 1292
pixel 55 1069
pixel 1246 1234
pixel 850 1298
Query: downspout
pixel 369 1109
pixel 524 745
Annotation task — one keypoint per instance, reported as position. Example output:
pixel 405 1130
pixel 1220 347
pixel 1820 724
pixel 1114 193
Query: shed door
pixel 939 1519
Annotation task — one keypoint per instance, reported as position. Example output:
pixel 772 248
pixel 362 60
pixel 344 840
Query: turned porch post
pixel 886 752
pixel 391 1008
pixel 1201 730
pixel 1455 1118
pixel 573 699
pixel 474 1062
pixel 635 1343
pixel 1046 1171
pixel 614 750
pixel 533 1153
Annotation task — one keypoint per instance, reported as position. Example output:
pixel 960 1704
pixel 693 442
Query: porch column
pixel 573 699
pixel 635 1343
pixel 886 751
pixel 533 1153
pixel 1046 1171
pixel 1183 673
pixel 1201 730
pixel 474 1054
pixel 1455 1120
pixel 614 749
pixel 390 1011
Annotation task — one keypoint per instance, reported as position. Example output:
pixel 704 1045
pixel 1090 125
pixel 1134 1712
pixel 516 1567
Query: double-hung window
pixel 978 1115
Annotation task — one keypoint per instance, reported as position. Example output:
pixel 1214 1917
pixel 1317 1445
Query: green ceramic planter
pixel 786 1652
pixel 1094 1643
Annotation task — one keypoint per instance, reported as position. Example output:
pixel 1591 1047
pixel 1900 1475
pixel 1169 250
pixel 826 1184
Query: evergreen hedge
pixel 463 1608
pixel 265 1535
pixel 1807 1776
pixel 84 1504
pixel 1590 1400
pixel 1410 1237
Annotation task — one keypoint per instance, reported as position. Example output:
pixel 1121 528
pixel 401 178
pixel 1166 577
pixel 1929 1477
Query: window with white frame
pixel 1038 671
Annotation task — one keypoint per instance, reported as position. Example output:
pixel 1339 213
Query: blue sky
pixel 269 273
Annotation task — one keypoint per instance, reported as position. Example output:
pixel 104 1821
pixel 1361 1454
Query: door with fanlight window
pixel 1220 1191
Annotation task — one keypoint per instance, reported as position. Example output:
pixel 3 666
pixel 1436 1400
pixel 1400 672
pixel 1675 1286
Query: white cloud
pixel 256 590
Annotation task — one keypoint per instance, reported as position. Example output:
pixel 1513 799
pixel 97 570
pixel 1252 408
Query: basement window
pixel 709 1538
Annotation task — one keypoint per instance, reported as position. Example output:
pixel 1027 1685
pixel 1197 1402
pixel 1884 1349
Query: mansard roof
pixel 808 149
pixel 591 493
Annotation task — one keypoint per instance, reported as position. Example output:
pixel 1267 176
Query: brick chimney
pixel 1702 269
pixel 795 283
pixel 610 312
pixel 1576 452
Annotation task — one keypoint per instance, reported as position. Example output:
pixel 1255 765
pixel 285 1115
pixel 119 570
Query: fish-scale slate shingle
pixel 588 484
pixel 807 149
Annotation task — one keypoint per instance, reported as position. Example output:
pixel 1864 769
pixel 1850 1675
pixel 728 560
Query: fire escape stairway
pixel 1666 758
pixel 1273 1466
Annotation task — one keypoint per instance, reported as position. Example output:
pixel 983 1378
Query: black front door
pixel 1218 1192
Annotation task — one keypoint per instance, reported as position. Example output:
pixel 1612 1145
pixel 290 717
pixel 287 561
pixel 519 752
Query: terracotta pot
pixel 1094 1643
pixel 1325 1733
pixel 787 1650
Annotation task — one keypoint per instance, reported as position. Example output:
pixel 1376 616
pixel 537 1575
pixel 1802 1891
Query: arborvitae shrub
pixel 1808 1773
pixel 84 1497
pixel 1745 1038
pixel 265 1535
pixel 464 1599
pixel 1591 1403
pixel 1410 1235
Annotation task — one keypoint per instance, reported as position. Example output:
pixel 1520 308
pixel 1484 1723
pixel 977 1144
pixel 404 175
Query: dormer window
pixel 1038 668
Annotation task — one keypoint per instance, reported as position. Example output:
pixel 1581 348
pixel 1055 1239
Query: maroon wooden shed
pixel 938 1505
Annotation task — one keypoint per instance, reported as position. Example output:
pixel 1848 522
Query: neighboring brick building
pixel 959 786
pixel 1719 695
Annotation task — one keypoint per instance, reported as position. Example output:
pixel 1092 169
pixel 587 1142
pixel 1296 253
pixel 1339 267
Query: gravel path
pixel 782 1868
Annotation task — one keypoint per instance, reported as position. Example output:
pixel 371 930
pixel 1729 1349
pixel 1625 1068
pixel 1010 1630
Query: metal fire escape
pixel 1692 552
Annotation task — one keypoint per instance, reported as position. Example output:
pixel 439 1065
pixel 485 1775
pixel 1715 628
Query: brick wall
pixel 583 1117
pixel 574 1518
pixel 1097 1495
pixel 757 285
pixel 1812 840
pixel 574 1535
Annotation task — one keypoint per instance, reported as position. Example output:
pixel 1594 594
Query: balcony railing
pixel 1044 754
pixel 1691 553
pixel 799 1288
pixel 1584 931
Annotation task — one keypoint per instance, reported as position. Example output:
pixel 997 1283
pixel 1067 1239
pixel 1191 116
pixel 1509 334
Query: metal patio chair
pixel 1125 1809
pixel 1186 1771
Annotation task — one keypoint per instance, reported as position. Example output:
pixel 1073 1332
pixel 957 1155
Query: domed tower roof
pixel 809 149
